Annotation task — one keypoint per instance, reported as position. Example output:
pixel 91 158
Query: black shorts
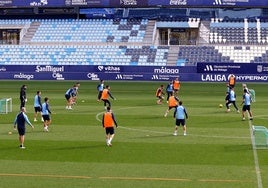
pixel 109 130
pixel 37 109
pixel 246 108
pixel 21 130
pixel 180 122
pixel 46 117
pixel 99 95
pixel 22 103
pixel 67 97
pixel 170 107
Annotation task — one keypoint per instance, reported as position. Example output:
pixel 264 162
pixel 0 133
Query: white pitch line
pixel 98 114
pixel 168 133
pixel 261 116
pixel 119 178
pixel 257 167
pixel 195 135
pixel 255 154
pixel 144 130
pixel 47 176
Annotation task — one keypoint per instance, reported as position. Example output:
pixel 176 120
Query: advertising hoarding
pixel 134 3
pixel 210 3
pixel 129 73
pixel 235 68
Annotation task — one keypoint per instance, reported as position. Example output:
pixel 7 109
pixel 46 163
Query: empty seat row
pixel 91 31
pixel 190 55
pixel 77 54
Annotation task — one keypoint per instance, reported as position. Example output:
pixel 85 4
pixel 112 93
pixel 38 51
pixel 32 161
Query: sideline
pixel 255 154
pixel 122 178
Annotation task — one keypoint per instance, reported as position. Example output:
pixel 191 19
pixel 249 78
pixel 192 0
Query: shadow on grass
pixel 80 147
pixel 152 136
pixel 235 148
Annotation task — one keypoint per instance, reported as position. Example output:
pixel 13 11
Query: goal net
pixel 261 137
pixel 5 105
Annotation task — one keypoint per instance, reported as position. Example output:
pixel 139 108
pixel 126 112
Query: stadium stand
pixel 238 31
pixel 109 30
pixel 83 55
pixel 156 39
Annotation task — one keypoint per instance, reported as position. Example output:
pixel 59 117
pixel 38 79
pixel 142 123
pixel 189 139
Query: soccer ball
pixel 220 105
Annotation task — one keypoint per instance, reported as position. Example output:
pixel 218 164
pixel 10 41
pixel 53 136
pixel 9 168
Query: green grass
pixel 217 151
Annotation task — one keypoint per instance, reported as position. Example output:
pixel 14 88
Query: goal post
pixel 252 94
pixel 5 105
pixel 260 134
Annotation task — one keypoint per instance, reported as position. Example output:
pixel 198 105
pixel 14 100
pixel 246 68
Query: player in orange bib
pixel 231 80
pixel 105 96
pixel 172 103
pixel 176 86
pixel 108 122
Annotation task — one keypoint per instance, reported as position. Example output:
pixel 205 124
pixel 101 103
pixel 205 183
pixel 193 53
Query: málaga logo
pixel 165 70
pixel 23 76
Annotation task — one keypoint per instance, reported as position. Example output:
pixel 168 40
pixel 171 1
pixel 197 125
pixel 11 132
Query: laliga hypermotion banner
pixel 244 72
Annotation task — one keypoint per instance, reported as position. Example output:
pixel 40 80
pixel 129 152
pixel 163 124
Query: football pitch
pixel 217 151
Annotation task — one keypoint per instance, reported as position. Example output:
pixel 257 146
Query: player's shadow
pixel 80 147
